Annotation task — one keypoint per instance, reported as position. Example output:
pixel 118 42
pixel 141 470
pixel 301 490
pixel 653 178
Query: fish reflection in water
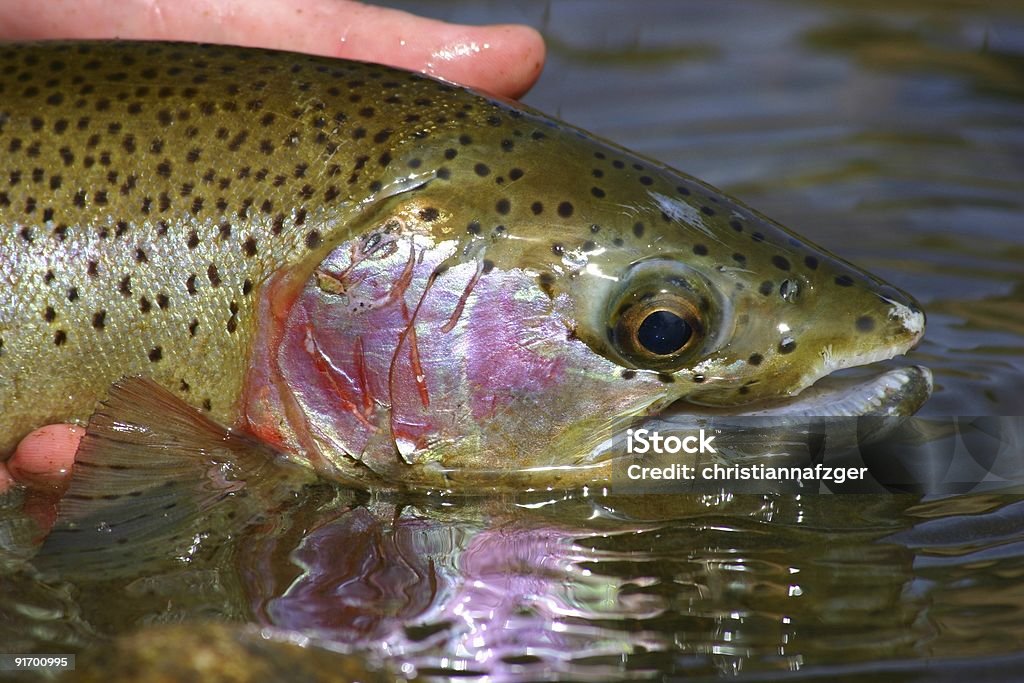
pixel 496 601
pixel 578 587
pixel 706 590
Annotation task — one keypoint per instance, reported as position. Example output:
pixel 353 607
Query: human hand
pixel 503 59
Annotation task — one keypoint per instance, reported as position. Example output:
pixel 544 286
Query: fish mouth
pixel 899 391
pixel 853 385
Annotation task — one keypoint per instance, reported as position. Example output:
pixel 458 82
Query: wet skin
pixel 505 60
pixel 630 282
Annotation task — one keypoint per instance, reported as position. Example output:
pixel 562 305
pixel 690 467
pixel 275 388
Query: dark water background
pixel 889 132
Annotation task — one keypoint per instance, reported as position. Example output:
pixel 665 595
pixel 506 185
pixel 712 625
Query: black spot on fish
pixel 429 214
pixel 811 262
pixel 49 315
pixel 739 258
pixel 503 206
pixel 213 275
pixel 766 288
pixel 60 337
pixel 865 323
pixel 565 209
pixel 666 378
pixel 755 359
pixel 700 249
pixel 99 319
pixel 536 208
pixel 313 239
pixel 780 262
pixel 844 281
pixel 638 229
pixel 628 374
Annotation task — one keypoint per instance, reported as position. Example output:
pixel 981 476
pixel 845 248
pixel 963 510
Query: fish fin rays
pixel 153 479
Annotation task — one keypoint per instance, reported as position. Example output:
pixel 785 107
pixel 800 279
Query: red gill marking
pixel 401 286
pixel 361 377
pixel 281 293
pixel 457 313
pixel 414 358
pixel 327 370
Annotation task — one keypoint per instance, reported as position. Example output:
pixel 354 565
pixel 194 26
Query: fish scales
pixel 150 189
pixel 377 269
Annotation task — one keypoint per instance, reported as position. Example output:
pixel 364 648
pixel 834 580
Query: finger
pixel 503 59
pixel 44 458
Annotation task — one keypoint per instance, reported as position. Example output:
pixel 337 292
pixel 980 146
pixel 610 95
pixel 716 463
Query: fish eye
pixel 663 333
pixel 655 330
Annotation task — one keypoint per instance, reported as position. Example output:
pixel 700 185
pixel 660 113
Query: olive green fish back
pixel 147 190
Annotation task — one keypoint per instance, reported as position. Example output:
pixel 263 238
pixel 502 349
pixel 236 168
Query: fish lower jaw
pixel 830 363
pixel 900 391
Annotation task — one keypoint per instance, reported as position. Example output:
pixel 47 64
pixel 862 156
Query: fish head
pixel 725 307
pixel 511 312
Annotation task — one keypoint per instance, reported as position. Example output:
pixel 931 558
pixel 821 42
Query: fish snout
pixel 905 316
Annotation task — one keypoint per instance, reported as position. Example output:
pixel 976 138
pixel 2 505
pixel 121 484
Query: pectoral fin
pixel 154 480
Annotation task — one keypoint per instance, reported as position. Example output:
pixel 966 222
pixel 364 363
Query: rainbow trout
pixel 388 276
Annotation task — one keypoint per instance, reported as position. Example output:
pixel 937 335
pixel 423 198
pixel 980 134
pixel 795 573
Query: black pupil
pixel 663 332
